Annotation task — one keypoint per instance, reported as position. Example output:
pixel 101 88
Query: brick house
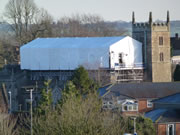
pixel 166 115
pixel 135 98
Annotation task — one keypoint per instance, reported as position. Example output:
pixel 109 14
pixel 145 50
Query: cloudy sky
pixel 110 10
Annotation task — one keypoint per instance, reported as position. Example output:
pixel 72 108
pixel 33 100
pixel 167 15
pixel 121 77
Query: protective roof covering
pixel 69 53
pixel 172 99
pixel 76 42
pixel 164 115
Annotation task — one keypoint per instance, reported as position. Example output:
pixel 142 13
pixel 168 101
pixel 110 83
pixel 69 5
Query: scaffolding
pixel 102 75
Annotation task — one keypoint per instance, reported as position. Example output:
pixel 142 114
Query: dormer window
pixel 149 104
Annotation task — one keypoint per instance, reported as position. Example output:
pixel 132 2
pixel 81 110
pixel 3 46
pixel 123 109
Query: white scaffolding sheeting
pixel 69 53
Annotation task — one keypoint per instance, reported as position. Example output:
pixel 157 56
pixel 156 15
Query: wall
pixel 143 106
pixel 130 113
pixel 161 70
pixel 178 129
pixel 161 129
pixel 148 34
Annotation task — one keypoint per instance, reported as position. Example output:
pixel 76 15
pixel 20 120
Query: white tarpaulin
pixel 69 53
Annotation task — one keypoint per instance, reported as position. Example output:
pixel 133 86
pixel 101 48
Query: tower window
pixel 160 40
pixel 161 56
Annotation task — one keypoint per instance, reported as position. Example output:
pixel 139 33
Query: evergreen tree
pixel 45 102
pixel 82 81
pixel 144 126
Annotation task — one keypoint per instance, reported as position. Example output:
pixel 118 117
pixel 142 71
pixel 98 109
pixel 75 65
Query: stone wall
pixel 149 34
pixel 161 69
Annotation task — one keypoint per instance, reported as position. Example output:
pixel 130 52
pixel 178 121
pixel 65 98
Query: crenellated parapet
pixel 150 23
pixel 155 37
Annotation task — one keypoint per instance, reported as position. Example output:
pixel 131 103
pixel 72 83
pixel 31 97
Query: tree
pixel 82 81
pixel 27 20
pixel 78 116
pixel 45 103
pixel 144 126
pixel 86 25
pixel 20 14
pixel 8 52
pixel 8 125
pixel 42 26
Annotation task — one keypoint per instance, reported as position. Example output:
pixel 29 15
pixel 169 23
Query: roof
pixel 175 58
pixel 143 90
pixel 102 90
pixel 172 99
pixel 73 42
pixel 164 115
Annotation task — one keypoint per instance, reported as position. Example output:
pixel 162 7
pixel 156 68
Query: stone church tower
pixel 156 48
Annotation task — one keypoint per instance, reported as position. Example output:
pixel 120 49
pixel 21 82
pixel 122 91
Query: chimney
pixel 176 36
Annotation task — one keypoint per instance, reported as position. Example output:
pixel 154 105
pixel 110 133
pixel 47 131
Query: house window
pixel 149 104
pixel 161 56
pixel 170 129
pixel 160 40
pixel 130 107
pixel 125 108
pixel 135 107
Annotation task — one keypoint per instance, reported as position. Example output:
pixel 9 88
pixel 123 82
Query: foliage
pixel 177 73
pixel 7 52
pixel 144 126
pixel 82 81
pixel 46 98
pixel 7 125
pixel 78 116
pixel 69 89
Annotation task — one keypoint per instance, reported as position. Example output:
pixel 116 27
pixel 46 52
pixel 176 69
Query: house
pixel 166 115
pixel 135 98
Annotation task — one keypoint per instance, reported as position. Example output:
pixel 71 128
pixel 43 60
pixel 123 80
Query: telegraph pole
pixel 31 112
pixel 10 104
pixel 135 126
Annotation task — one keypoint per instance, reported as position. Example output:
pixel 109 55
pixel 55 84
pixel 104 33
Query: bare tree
pixel 86 25
pixel 27 20
pixel 20 14
pixel 42 26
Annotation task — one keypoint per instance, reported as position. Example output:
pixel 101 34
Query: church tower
pixel 155 38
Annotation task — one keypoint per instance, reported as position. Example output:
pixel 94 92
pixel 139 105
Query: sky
pixel 110 10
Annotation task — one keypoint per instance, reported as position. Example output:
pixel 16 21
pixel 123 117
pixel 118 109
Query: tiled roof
pixel 144 90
